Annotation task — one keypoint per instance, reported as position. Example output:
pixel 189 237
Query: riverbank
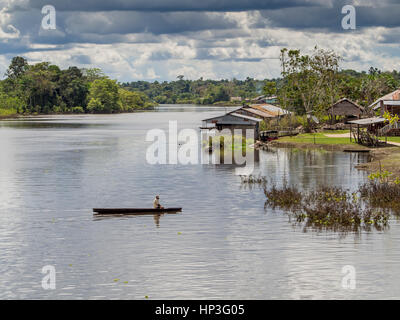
pixel 10 116
pixel 385 157
pixel 22 116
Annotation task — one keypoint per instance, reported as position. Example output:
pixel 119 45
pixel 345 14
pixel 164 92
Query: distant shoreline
pixel 22 116
pixel 19 116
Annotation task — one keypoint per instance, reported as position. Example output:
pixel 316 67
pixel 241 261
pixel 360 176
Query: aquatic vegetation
pixel 251 181
pixel 381 192
pixel 287 197
pixel 328 208
pixel 337 209
pixel 233 142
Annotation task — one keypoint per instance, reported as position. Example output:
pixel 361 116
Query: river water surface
pixel 224 245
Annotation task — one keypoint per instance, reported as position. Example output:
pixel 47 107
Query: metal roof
pixel 257 112
pixel 392 103
pixel 273 110
pixel 245 117
pixel 237 115
pixel 388 97
pixel 368 121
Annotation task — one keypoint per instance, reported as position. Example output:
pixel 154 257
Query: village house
pixel 345 110
pixel 388 103
pixel 233 121
pixel 247 117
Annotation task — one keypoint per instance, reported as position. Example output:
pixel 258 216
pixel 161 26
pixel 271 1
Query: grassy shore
pixel 7 113
pixel 320 140
pixel 383 158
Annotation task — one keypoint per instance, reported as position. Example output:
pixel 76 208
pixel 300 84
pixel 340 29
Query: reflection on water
pixel 156 216
pixel 224 245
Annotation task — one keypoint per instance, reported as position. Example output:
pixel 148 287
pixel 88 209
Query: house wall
pixel 345 109
pixel 243 128
pixel 393 110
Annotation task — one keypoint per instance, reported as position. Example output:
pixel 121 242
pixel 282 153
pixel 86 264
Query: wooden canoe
pixel 132 211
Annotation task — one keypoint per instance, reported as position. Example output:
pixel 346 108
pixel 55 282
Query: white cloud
pixel 7 30
pixel 241 44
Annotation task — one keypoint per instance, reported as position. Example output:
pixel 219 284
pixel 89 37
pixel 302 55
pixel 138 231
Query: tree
pixel 39 84
pixel 103 95
pixel 92 74
pixel 270 88
pixel 132 100
pixel 18 67
pixel 73 88
pixel 312 78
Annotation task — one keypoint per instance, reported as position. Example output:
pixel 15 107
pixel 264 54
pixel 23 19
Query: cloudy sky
pixel 160 39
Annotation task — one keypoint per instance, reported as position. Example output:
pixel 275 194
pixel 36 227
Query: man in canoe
pixel 156 203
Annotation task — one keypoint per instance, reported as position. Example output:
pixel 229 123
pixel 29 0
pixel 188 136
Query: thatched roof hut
pixel 345 108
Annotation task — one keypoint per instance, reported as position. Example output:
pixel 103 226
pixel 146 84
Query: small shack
pixel 233 121
pixel 345 108
pixel 366 131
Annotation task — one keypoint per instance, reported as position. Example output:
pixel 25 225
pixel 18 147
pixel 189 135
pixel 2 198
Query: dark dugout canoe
pixel 132 211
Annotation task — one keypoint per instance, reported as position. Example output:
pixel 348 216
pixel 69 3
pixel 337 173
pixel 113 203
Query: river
pixel 224 244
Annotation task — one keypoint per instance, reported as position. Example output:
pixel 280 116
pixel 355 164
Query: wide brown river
pixel 224 245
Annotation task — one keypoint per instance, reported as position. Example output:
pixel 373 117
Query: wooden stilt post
pixel 351 131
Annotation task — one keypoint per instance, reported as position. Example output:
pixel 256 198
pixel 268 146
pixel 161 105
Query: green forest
pixel 44 88
pixel 308 84
pixel 199 91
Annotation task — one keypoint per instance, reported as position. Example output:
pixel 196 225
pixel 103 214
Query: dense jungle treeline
pixel 308 84
pixel 44 88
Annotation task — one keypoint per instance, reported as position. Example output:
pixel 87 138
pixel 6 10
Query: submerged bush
pixel 285 197
pixel 338 209
pixel 235 142
pixel 329 208
pixel 380 192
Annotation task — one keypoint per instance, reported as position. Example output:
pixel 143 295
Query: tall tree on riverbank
pixel 313 78
pixel 312 83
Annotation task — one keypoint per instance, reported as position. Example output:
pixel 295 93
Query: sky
pixel 215 39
